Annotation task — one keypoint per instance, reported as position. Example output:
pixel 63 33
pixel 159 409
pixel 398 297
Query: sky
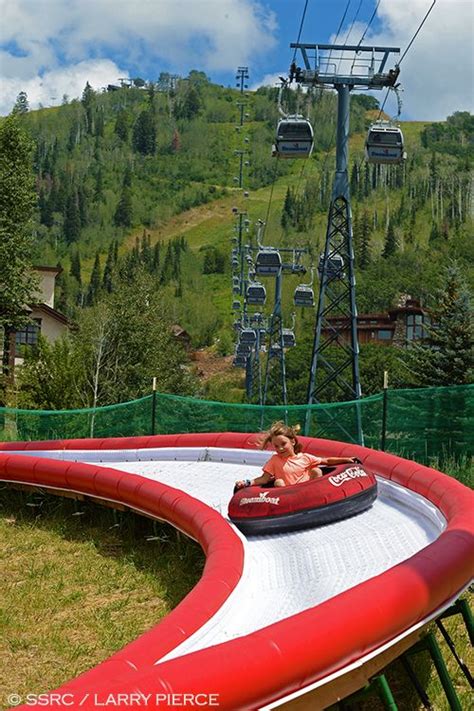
pixel 50 48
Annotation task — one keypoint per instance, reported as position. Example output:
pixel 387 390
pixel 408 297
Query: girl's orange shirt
pixel 293 470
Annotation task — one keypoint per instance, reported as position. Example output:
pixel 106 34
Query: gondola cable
pixel 276 163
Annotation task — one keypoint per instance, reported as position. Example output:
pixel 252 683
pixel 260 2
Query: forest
pixel 133 191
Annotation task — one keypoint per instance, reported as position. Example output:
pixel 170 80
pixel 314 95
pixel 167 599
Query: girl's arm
pixel 264 478
pixel 331 461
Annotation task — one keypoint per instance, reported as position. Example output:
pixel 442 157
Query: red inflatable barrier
pixel 344 491
pixel 285 657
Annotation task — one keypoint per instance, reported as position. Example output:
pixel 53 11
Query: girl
pixel 289 465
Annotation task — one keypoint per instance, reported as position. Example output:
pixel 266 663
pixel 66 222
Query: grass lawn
pixel 76 588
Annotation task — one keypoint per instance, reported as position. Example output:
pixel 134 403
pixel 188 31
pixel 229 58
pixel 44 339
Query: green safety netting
pixel 420 423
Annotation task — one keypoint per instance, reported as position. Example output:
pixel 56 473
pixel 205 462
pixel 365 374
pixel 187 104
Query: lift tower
pixel 343 68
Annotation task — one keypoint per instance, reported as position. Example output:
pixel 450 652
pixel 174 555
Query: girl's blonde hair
pixel 280 428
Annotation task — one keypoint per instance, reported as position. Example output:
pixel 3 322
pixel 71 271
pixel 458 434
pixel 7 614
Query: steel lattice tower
pixel 275 372
pixel 336 318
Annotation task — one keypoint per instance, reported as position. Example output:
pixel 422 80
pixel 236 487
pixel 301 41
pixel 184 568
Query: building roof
pixel 56 315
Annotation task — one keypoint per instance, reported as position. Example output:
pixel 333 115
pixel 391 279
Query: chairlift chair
pixel 384 144
pixel 294 138
pixel 256 294
pixel 268 262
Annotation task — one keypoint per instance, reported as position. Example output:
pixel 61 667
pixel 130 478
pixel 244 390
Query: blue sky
pixel 49 48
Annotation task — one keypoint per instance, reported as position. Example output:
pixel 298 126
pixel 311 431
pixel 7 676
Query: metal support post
pixel 384 410
pixel 385 692
pixel 275 347
pixel 377 684
pixel 424 698
pixel 461 664
pixel 153 408
pixel 429 644
pixel 461 607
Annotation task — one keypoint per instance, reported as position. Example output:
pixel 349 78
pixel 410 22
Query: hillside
pixel 144 180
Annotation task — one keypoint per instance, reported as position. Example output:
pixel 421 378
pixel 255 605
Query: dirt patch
pixel 184 221
pixel 207 364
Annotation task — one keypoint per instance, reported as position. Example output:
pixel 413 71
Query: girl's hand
pixel 241 484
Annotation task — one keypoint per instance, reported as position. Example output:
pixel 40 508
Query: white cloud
pixel 269 80
pixel 437 72
pixel 49 89
pixel 40 36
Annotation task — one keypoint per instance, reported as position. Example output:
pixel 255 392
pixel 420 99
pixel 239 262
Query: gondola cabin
pixel 243 348
pixel 289 339
pixel 334 267
pixel 384 145
pixel 248 336
pixel 240 361
pixel 294 138
pixel 303 296
pixel 256 294
pixel 268 262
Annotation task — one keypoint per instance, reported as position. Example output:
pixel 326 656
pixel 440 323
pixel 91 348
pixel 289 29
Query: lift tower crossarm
pixel 373 77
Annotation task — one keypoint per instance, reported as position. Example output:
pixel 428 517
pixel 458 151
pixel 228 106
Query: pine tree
pixel 75 270
pixel 99 185
pixel 62 294
pixel 447 358
pixel 123 216
pixel 146 256
pixel 122 125
pixel 144 133
pixel 94 284
pixel 156 258
pixel 88 101
pixel 72 218
pixel 21 104
pixel 364 254
pixel 390 246
pixel 150 96
pixel 17 203
pixel 99 123
pixel 191 105
pixel 367 186
pixel 107 279
pixel 355 180
pixel 289 209
pixel 82 205
pixel 127 177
